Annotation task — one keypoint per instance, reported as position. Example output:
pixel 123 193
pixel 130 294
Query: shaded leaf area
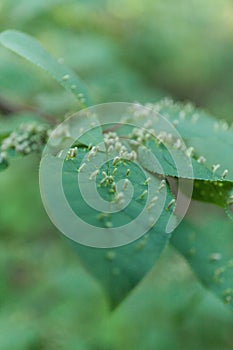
pixel 3 164
pixel 29 48
pixel 213 192
pixel 208 247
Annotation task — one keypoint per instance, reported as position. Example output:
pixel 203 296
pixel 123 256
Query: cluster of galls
pixel 30 137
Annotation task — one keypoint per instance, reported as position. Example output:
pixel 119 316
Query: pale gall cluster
pixel 26 139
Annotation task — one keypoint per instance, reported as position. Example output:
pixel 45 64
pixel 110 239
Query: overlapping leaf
pixel 208 144
pixel 208 247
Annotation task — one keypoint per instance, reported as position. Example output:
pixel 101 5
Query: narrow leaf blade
pixel 30 49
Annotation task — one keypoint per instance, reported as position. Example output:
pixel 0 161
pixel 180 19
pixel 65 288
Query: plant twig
pixel 7 108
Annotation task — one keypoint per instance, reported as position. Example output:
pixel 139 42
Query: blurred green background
pixel 127 50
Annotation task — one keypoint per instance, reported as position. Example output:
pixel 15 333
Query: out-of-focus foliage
pixel 125 51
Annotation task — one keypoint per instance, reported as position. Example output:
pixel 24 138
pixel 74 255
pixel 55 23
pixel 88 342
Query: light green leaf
pixel 29 48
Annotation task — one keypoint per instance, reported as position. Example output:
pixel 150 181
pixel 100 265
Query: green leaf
pixel 175 164
pixel 123 267
pixel 217 192
pixel 210 138
pixel 118 269
pixel 29 48
pixel 209 143
pixel 208 247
